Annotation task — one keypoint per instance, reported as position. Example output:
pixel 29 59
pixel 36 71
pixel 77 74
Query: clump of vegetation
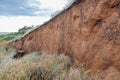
pixel 14 35
pixel 39 67
pixel 11 36
pixel 5 48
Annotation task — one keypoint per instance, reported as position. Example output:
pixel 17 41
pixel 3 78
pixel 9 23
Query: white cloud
pixel 45 4
pixel 12 24
pixel 52 4
pixel 40 12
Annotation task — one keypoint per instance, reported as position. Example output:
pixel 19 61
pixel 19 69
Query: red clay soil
pixel 88 32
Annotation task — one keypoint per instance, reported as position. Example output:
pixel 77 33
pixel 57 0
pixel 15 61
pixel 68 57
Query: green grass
pixel 11 36
pixel 14 35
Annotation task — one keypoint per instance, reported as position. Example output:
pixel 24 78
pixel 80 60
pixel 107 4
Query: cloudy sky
pixel 15 14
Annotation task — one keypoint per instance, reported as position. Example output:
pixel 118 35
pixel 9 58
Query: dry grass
pixel 52 67
pixel 37 66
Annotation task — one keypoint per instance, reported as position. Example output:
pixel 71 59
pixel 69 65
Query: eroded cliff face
pixel 88 32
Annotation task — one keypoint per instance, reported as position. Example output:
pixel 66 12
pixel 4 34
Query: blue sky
pixel 15 14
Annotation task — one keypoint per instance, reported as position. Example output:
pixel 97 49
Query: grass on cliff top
pixel 14 35
pixel 11 36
